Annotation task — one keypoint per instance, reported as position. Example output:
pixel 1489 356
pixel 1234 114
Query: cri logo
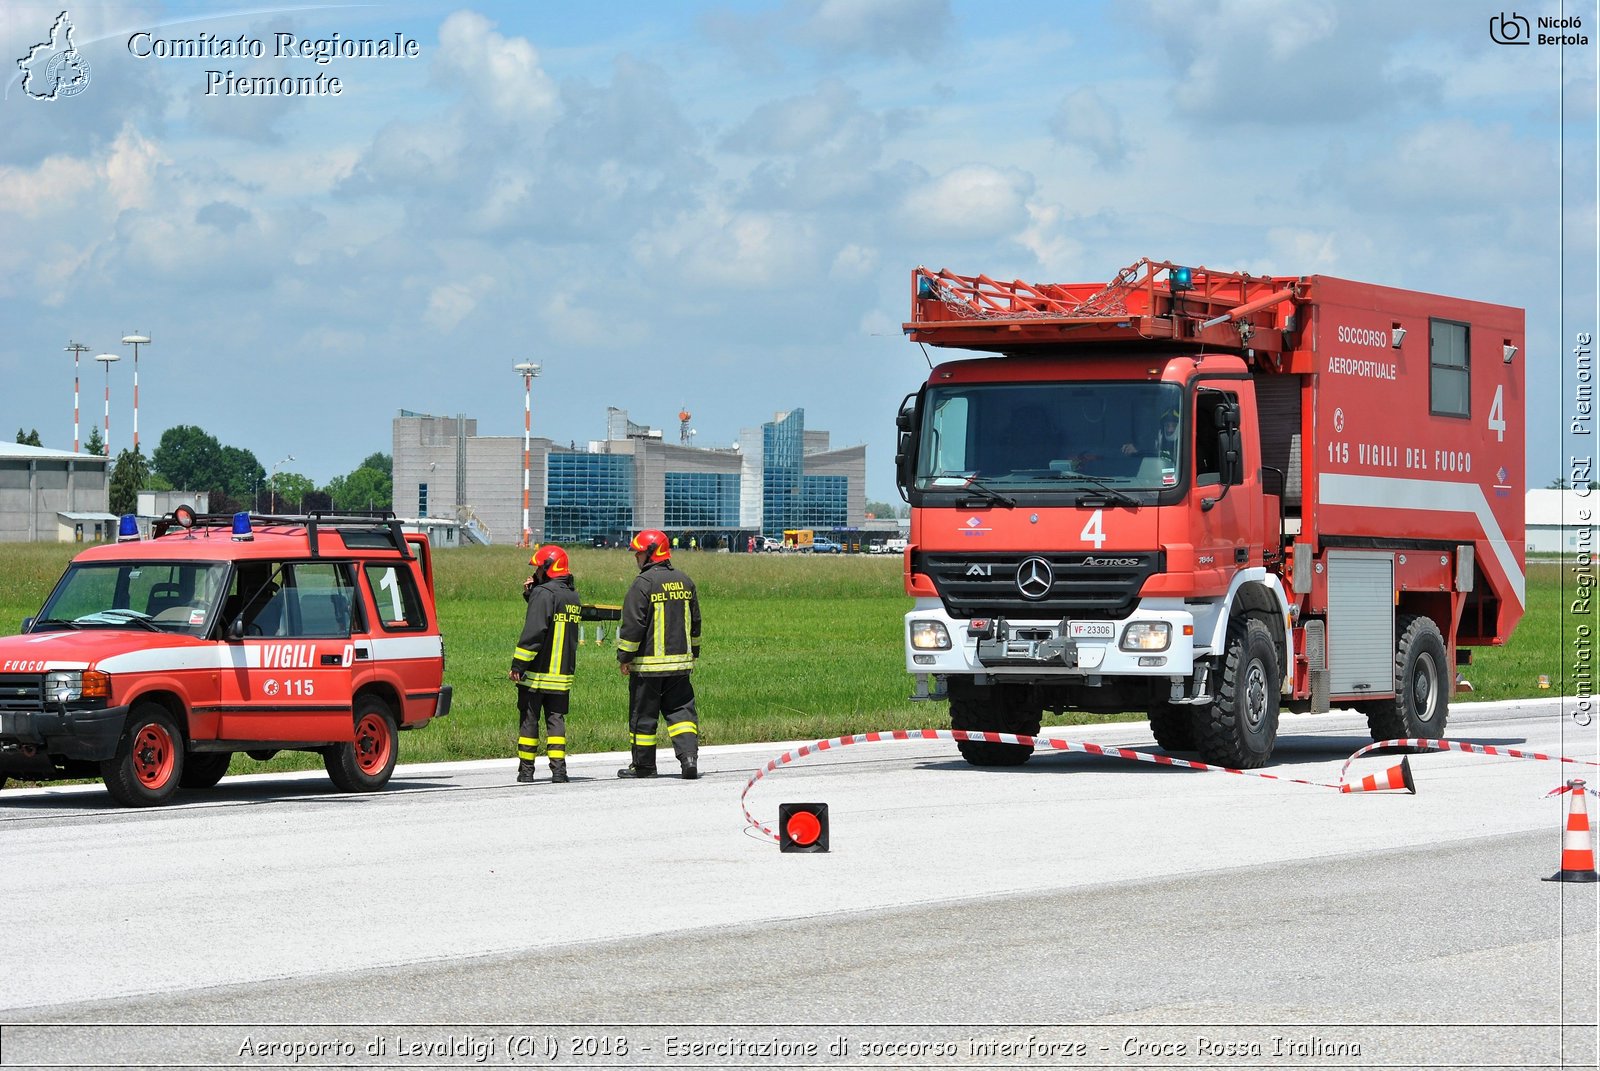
pixel 1035 578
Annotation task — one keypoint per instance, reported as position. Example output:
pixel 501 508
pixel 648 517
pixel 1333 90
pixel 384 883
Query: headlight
pixel 71 685
pixel 929 636
pixel 1146 636
pixel 63 686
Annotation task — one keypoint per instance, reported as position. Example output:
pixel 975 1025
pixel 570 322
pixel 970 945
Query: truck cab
pixel 1112 513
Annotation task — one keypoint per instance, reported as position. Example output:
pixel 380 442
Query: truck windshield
pixel 155 596
pixel 1044 436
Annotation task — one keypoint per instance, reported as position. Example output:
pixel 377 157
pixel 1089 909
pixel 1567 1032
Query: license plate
pixel 1090 630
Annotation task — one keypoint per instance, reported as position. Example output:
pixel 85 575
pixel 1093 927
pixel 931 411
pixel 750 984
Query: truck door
pixel 1224 533
pixel 291 676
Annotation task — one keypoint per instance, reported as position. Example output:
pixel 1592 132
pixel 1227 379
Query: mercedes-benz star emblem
pixel 1035 578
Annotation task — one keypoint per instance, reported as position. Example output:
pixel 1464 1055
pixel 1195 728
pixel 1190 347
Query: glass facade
pixel 782 448
pixel 587 496
pixel 702 500
pixel 825 501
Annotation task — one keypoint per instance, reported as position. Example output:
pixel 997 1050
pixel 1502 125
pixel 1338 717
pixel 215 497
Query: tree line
pixel 189 459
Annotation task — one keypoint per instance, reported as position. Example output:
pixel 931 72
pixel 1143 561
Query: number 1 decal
pixel 1094 532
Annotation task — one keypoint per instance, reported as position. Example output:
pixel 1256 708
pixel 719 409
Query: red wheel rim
pixel 373 742
pixel 153 755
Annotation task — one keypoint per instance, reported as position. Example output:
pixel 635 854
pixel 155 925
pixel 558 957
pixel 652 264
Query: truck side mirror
pixel 1230 444
pixel 904 451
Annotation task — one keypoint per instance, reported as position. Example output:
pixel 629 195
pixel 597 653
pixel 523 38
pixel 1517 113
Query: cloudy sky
pixel 717 206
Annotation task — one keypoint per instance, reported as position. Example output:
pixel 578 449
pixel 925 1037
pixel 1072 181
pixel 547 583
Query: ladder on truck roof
pixel 1149 299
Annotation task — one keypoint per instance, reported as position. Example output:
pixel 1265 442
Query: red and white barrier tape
pixel 995 738
pixel 1456 745
pixel 1570 786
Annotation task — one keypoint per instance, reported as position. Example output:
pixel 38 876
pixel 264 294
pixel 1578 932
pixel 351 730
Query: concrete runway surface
pixel 1078 911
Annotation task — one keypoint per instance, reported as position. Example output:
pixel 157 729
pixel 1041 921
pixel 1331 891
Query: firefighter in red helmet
pixel 657 644
pixel 544 661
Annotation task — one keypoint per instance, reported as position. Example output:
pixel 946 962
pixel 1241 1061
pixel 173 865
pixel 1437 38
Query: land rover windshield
pixel 178 597
pixel 1048 438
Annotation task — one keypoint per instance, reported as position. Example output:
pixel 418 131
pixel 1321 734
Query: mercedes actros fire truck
pixel 1207 496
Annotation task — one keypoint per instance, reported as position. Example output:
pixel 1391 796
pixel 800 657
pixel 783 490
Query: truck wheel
pixel 1173 726
pixel 1240 726
pixel 148 765
pixel 365 765
pixel 203 769
pixel 1002 708
pixel 1421 703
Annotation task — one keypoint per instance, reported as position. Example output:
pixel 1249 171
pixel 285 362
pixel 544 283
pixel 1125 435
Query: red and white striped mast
pixel 77 349
pixel 108 359
pixel 527 370
pixel 135 340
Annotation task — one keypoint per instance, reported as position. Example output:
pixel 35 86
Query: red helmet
pixel 552 559
pixel 655 542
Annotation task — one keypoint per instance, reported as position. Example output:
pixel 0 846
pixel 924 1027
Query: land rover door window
pixel 394 596
pixel 319 598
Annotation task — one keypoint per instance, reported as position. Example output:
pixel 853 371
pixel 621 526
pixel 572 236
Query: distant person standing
pixel 544 662
pixel 657 644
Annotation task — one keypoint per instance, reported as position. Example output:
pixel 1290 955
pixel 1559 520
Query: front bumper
pixel 29 738
pixel 1035 648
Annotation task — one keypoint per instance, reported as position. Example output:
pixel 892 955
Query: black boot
pixel 691 768
pixel 635 770
pixel 524 771
pixel 558 771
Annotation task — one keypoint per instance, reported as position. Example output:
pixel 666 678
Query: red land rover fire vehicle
pixel 154 660
pixel 1203 494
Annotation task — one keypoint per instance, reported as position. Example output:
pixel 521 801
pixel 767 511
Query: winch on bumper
pixel 1147 643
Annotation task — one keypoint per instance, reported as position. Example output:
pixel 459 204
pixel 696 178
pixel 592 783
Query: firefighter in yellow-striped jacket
pixel 657 643
pixel 544 661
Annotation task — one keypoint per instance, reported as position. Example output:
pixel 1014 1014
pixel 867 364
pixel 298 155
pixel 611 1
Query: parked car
pixel 825 546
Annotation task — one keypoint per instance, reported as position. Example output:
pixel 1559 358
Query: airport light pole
pixel 135 340
pixel 527 371
pixel 108 359
pixel 272 483
pixel 77 349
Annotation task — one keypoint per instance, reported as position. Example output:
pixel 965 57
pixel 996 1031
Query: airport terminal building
pixel 778 476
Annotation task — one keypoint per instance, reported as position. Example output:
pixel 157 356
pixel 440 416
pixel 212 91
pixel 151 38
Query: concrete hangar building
pixel 778 476
pixel 53 495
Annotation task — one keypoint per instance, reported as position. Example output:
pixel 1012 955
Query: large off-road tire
pixel 995 708
pixel 1173 726
pixel 148 766
pixel 1239 727
pixel 1421 704
pixel 365 765
pixel 203 769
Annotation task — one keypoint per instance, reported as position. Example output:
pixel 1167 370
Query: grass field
pixel 794 647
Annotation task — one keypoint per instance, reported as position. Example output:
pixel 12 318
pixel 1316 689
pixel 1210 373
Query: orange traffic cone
pixel 1577 848
pixel 1395 777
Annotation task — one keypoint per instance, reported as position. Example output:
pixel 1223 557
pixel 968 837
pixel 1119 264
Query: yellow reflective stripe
pixel 557 649
pixel 628 645
pixel 527 741
pixel 555 740
pixel 643 741
pixel 527 753
pixel 678 728
pixel 680 663
pixel 547 682
pixel 658 629
pixel 555 752
pixel 522 654
pixel 686 634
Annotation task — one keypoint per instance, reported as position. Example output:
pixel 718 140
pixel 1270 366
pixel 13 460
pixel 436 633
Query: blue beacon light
pixel 127 528
pixel 241 528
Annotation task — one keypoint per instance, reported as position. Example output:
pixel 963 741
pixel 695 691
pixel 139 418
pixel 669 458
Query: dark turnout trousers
pixel 667 698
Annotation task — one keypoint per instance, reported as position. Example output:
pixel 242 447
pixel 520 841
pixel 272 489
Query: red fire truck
pixel 1205 495
pixel 155 660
